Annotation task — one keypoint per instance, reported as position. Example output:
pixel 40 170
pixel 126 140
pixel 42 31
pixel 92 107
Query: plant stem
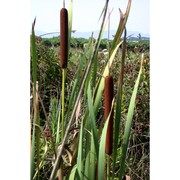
pixel 63 89
pixel 108 167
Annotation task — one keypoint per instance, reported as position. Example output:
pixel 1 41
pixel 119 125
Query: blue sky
pixel 86 14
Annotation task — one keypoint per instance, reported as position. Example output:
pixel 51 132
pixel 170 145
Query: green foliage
pixel 138 45
pixel 54 41
pixel 48 61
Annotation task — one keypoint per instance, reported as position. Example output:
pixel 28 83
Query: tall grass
pixel 80 143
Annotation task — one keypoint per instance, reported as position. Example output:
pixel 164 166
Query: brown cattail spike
pixel 63 37
pixel 108 97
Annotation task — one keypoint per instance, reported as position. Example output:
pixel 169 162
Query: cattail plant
pixel 63 65
pixel 108 97
pixel 63 54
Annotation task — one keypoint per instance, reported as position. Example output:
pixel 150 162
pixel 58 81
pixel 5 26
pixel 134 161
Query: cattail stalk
pixel 63 101
pixel 63 54
pixel 63 65
pixel 108 167
pixel 108 98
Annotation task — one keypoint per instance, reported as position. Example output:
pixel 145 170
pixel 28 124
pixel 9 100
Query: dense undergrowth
pixel 49 77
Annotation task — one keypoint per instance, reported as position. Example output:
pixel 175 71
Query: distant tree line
pixel 79 43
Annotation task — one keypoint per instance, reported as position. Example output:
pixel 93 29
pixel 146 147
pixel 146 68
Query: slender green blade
pixel 88 143
pixel 93 159
pixel 94 70
pixel 116 127
pixel 38 142
pixel 73 173
pixel 118 103
pixel 34 56
pixel 101 84
pixel 101 159
pixel 32 153
pixel 87 165
pixel 53 114
pixel 34 73
pixel 93 120
pixel 95 57
pixel 128 123
pixel 102 13
pixel 70 12
pixel 122 24
pixel 58 125
pixel 80 154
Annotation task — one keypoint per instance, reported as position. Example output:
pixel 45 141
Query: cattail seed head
pixel 63 37
pixel 108 97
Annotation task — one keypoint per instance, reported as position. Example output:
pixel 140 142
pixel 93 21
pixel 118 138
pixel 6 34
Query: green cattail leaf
pixel 102 13
pixel 90 51
pixel 95 57
pixel 58 125
pixel 34 56
pixel 70 15
pixel 34 73
pixel 93 120
pixel 73 173
pixel 94 70
pixel 121 26
pixel 119 103
pixel 129 122
pixel 38 142
pixel 70 104
pixel 53 105
pixel 93 159
pixel 90 160
pixel 116 126
pixel 32 153
pixel 88 145
pixel 93 139
pixel 101 158
pixel 87 165
pixel 101 84
pixel 80 154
